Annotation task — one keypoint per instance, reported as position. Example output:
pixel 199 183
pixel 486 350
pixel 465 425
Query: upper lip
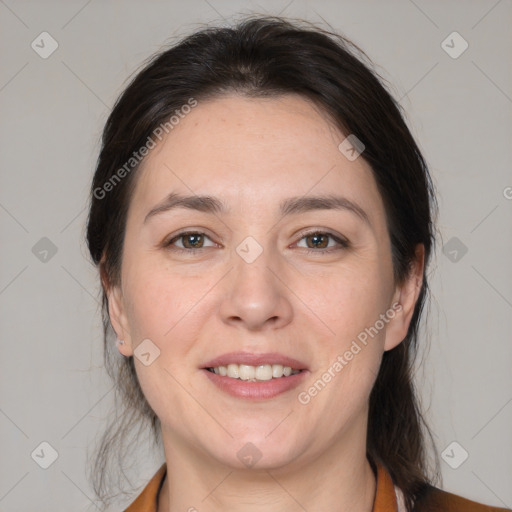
pixel 253 359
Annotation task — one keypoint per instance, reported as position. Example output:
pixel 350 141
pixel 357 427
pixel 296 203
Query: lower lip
pixel 256 390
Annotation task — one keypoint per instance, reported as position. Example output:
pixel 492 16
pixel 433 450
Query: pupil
pixel 193 237
pixel 316 238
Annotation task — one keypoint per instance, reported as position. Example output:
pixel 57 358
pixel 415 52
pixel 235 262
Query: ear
pixel 117 314
pixel 404 301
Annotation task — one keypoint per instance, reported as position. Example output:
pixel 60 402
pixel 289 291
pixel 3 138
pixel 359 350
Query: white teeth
pixel 246 372
pixel 232 371
pixel 277 370
pixel 264 372
pixel 254 373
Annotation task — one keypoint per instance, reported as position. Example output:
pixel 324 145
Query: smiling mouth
pixel 260 373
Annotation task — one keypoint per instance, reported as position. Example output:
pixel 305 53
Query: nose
pixel 256 294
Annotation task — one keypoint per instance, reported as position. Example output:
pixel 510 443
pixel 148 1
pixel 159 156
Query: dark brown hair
pixel 268 57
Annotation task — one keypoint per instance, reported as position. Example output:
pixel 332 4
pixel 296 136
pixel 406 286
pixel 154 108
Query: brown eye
pixel 192 241
pixel 188 241
pixel 322 240
pixel 318 240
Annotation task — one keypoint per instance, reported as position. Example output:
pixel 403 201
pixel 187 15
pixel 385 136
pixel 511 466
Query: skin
pixel 252 154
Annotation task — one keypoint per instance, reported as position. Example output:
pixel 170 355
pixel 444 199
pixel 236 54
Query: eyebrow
pixel 290 206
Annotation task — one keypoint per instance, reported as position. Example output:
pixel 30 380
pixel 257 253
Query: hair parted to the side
pixel 268 57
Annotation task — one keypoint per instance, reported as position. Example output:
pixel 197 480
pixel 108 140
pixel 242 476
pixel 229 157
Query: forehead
pixel 253 153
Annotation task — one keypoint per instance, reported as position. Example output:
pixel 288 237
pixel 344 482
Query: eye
pixel 320 240
pixel 191 240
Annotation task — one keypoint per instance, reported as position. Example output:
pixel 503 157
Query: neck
pixel 341 479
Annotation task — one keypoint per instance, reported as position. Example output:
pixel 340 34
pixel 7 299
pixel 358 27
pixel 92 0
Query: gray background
pixel 53 386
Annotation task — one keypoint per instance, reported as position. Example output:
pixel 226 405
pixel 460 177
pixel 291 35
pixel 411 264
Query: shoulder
pixel 433 499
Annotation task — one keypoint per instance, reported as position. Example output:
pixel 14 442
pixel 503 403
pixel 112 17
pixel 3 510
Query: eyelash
pixel 343 244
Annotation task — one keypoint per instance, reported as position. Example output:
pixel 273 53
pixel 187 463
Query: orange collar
pixel 385 498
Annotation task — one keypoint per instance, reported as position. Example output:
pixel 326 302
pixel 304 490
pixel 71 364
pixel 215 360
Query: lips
pixel 253 388
pixel 252 359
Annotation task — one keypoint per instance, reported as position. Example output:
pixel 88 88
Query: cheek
pixel 160 301
pixel 352 307
pixel 350 301
pixel 167 310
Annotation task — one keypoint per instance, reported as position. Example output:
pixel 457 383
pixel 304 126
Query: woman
pixel 262 221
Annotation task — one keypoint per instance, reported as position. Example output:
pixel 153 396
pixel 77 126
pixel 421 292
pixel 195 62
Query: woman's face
pixel 273 279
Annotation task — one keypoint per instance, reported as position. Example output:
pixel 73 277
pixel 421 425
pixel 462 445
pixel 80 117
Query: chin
pixel 259 451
